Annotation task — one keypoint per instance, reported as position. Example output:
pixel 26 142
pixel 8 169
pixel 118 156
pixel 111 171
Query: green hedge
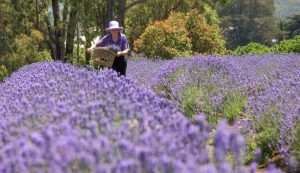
pixel 251 48
pixel 285 46
pixel 288 46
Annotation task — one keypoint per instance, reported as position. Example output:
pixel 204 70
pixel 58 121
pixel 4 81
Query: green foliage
pixel 199 97
pixel 189 100
pixel 265 137
pixel 292 25
pixel 27 51
pixel 165 39
pixel 165 90
pixel 288 46
pixel 143 14
pixel 79 59
pixel 211 15
pixel 179 35
pixel 251 48
pixel 250 149
pixel 3 72
pixel 205 38
pixel 172 79
pixel 296 144
pixel 138 19
pixel 6 29
pixel 256 24
pixel 233 105
pixel 267 133
pixel 79 165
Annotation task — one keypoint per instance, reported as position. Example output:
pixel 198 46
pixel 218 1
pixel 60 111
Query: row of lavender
pixel 55 117
pixel 259 93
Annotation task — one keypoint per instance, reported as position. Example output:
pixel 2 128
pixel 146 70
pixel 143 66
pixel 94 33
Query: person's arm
pixel 125 49
pixel 123 53
pixel 91 48
pixel 100 43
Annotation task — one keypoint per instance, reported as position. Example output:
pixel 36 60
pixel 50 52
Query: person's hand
pixel 119 53
pixel 89 49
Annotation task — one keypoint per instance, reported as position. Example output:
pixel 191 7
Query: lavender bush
pixel 201 85
pixel 260 92
pixel 56 117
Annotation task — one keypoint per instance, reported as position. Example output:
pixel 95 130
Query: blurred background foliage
pixel 37 30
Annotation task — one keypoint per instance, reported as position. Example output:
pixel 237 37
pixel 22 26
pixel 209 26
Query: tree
pixel 61 23
pixel 293 26
pixel 71 26
pixel 246 21
pixel 115 10
pixel 58 31
pixel 6 29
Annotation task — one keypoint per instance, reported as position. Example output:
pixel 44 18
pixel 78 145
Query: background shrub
pixel 288 46
pixel 165 39
pixel 179 35
pixel 26 51
pixel 3 72
pixel 205 38
pixel 251 48
pixel 296 145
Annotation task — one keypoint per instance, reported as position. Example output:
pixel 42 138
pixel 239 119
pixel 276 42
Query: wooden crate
pixel 103 57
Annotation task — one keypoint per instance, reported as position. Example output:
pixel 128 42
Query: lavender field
pixel 190 115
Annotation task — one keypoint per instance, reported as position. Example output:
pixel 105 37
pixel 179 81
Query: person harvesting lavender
pixel 116 41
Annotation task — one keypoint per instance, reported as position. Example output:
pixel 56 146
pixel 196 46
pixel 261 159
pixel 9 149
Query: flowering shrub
pixel 262 91
pixel 275 108
pixel 201 85
pixel 3 72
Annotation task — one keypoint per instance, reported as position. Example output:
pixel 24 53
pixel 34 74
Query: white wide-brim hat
pixel 113 25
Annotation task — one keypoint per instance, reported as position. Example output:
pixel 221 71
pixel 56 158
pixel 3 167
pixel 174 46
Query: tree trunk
pixel 87 44
pixel 123 7
pixel 121 12
pixel 109 14
pixel 71 33
pixel 51 38
pixel 133 3
pixel 64 28
pixel 57 30
pixel 37 14
pixel 78 40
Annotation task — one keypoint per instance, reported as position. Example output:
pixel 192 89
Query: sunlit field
pixel 193 115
